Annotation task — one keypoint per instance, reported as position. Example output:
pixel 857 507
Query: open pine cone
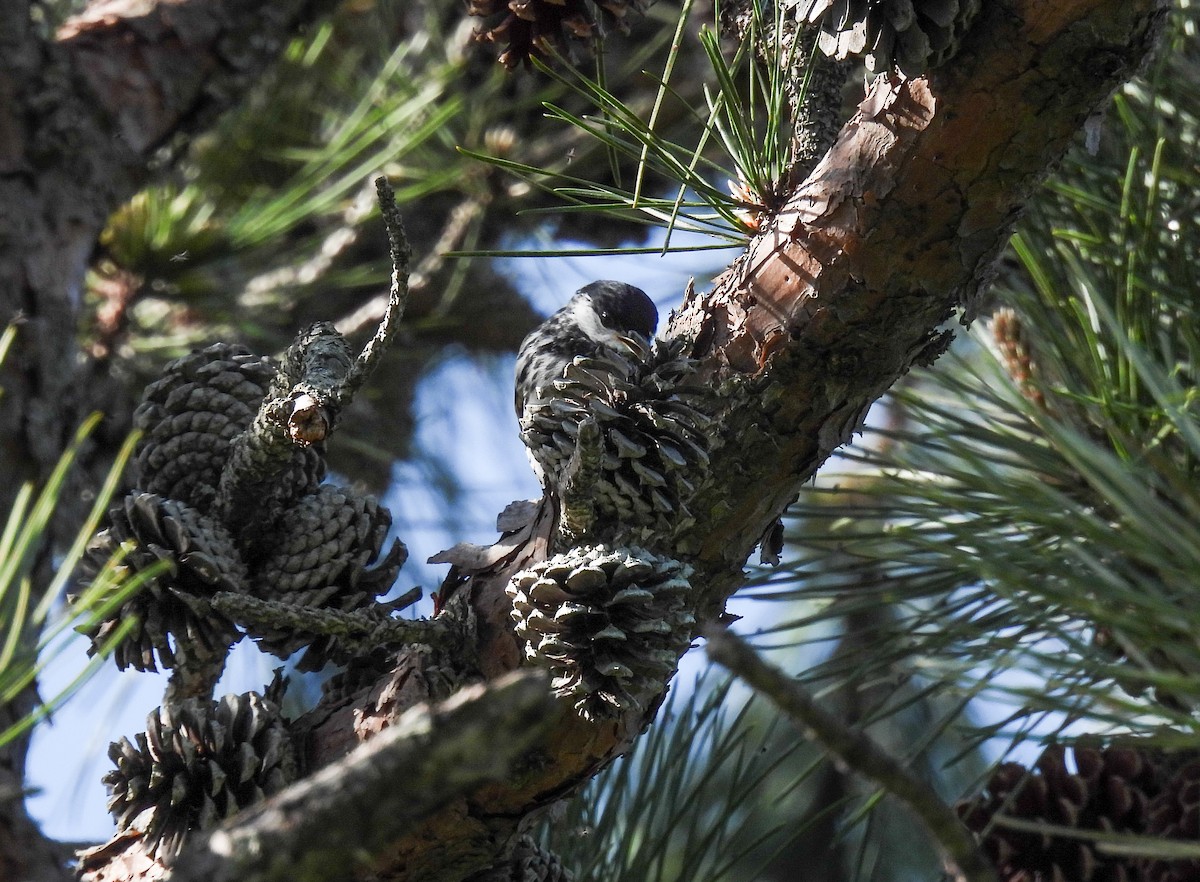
pixel 197 763
pixel 321 555
pixel 173 607
pixel 610 624
pixel 910 35
pixel 190 415
pixel 1119 789
pixel 655 444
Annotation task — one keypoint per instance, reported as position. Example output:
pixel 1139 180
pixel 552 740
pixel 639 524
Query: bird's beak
pixel 635 344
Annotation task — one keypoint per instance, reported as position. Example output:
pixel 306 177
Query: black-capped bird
pixel 602 315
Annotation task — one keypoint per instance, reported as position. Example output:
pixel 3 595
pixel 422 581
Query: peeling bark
pixel 896 228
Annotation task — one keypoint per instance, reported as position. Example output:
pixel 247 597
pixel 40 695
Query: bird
pixel 604 317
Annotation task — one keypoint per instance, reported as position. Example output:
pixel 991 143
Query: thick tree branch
pixel 964 860
pixel 346 815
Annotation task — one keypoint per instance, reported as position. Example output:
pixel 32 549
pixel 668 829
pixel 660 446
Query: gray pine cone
pixel 610 624
pixel 910 35
pixel 655 445
pixel 529 862
pixel 190 415
pixel 173 607
pixel 321 555
pixel 197 763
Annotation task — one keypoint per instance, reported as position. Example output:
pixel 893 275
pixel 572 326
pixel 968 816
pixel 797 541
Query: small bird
pixel 601 316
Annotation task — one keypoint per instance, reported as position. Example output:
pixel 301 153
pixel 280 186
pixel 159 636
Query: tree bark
pixel 82 118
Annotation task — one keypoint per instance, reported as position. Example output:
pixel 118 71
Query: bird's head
pixel 615 315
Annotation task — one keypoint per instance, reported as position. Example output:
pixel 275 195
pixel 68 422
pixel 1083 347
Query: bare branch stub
pixel 401 256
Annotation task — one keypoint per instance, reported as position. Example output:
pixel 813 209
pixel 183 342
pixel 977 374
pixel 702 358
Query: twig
pixel 401 254
pixel 454 233
pixel 965 862
pixel 317 379
pixel 370 626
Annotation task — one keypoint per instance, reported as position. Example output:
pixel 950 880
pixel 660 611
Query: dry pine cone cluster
pixel 318 551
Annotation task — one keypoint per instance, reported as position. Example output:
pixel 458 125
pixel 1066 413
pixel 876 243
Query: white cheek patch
pixel 586 319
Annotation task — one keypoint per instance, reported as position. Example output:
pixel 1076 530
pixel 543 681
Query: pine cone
pixel 320 555
pixel 530 27
pixel 172 607
pixel 192 413
pixel 616 12
pixel 529 862
pixel 1175 814
pixel 910 35
pixel 610 624
pixel 197 763
pixel 655 445
pixel 1110 791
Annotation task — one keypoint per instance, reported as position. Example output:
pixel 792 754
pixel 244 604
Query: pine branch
pixel 401 254
pixel 822 314
pixel 965 862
